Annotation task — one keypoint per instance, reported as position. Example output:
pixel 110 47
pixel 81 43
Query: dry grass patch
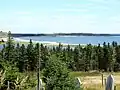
pixel 93 80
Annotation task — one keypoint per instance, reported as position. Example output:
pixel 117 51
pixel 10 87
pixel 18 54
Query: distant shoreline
pixel 42 42
pixel 63 34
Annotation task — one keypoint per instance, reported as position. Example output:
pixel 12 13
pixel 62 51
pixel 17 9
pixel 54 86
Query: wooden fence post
pixel 105 81
pixel 102 79
pixel 8 88
pixel 114 87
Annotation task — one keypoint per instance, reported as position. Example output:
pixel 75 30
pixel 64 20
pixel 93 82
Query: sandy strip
pixel 44 42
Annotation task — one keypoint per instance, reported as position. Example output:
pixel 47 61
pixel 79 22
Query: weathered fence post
pixel 8 88
pixel 105 81
pixel 41 84
pixel 102 79
pixel 114 87
pixel 110 83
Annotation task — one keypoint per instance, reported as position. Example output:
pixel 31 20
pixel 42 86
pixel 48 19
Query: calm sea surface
pixel 74 39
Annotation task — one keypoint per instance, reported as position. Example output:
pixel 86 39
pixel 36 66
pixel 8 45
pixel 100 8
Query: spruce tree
pixel 3 52
pixel 100 57
pixel 113 59
pixel 30 56
pixel 105 57
pixel 76 59
pixel 9 49
pixel 94 60
pixel 22 64
pixel 17 53
pixel 69 57
pixel 88 57
pixel 37 55
pixel 110 58
pixel 56 75
pixel 44 55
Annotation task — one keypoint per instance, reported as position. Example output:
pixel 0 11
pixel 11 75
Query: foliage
pixel 9 49
pixel 17 80
pixel 56 75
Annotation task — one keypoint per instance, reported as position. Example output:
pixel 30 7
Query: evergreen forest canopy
pixel 17 61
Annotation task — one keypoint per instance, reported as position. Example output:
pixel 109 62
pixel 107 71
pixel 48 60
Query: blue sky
pixel 54 16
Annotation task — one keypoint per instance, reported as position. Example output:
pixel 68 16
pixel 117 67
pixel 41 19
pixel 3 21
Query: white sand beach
pixel 43 42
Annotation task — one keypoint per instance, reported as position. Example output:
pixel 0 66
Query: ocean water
pixel 73 39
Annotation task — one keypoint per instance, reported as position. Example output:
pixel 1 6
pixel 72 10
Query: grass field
pixel 93 80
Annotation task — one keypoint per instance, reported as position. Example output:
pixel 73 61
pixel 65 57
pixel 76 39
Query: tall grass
pixel 88 76
pixel 98 87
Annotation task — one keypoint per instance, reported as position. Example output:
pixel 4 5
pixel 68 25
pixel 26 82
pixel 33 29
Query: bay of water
pixel 74 39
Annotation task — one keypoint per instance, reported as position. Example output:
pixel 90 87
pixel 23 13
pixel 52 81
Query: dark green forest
pixel 21 61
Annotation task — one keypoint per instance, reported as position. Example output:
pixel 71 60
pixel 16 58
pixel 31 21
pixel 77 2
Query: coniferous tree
pixel 105 57
pixel 3 52
pixel 44 55
pixel 110 58
pixel 9 49
pixel 88 52
pixel 37 55
pixel 100 56
pixel 59 50
pixel 77 59
pixel 118 53
pixel 17 53
pixel 69 57
pixel 56 75
pixel 54 49
pixel 85 59
pixel 94 61
pixel 113 59
pixel 30 56
pixel 22 63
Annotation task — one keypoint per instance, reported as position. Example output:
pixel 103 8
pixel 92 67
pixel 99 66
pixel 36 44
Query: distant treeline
pixel 64 34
